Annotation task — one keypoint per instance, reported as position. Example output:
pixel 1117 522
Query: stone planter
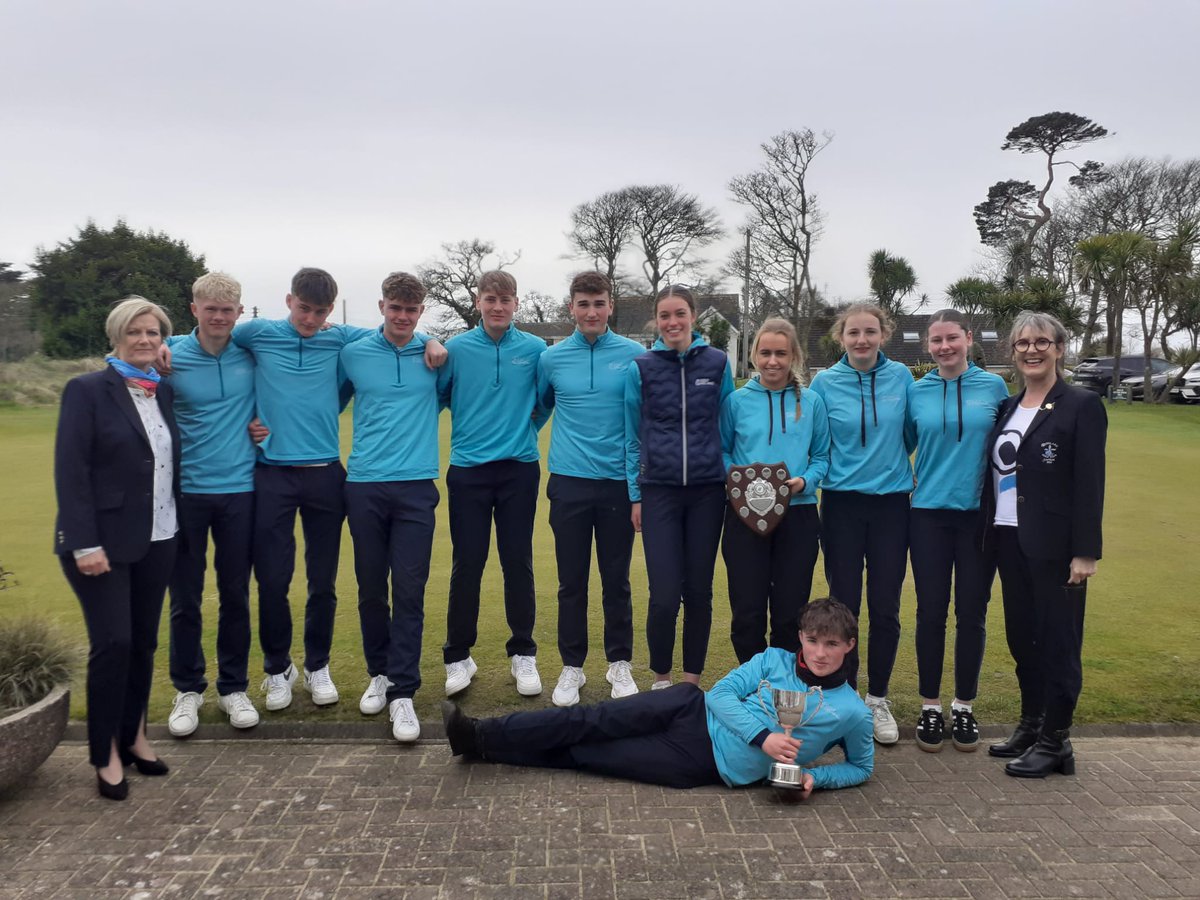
pixel 30 735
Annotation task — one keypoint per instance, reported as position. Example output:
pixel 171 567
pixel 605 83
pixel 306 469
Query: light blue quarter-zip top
pixel 583 382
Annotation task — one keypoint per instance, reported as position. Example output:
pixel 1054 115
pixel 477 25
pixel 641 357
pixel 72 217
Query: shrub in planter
pixel 36 665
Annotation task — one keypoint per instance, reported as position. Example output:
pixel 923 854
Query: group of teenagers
pixel 228 432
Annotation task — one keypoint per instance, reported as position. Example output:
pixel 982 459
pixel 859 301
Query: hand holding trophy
pixel 788 710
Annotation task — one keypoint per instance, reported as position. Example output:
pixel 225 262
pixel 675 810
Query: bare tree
pixel 668 225
pixel 601 230
pixel 450 281
pixel 785 217
pixel 538 307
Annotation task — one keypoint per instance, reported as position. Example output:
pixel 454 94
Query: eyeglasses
pixel 1041 345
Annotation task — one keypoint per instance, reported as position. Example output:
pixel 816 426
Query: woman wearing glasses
pixel 1044 498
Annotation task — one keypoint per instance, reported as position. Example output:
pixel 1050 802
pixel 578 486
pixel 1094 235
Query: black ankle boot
pixel 460 730
pixel 1023 737
pixel 1052 753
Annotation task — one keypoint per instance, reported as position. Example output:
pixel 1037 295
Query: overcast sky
pixel 360 136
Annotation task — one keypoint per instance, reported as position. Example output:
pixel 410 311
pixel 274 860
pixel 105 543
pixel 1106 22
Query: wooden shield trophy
pixel 759 494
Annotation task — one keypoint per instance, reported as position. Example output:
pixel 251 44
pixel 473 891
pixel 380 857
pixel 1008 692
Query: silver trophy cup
pixel 788 710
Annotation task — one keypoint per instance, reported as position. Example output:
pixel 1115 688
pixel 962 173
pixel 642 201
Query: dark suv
pixel 1096 372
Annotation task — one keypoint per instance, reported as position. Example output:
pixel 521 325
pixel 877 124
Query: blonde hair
pixel 785 328
pixel 217 286
pixel 886 324
pixel 128 310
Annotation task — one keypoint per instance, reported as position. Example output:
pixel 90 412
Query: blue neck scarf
pixel 147 382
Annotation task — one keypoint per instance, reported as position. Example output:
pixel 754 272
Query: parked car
pixel 1158 382
pixel 1188 390
pixel 1096 372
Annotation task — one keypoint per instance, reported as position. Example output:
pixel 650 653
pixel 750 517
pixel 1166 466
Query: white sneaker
pixel 620 676
pixel 566 692
pixel 660 685
pixel 185 713
pixel 405 727
pixel 459 675
pixel 279 689
pixel 240 710
pixel 524 670
pixel 374 699
pixel 321 686
pixel 886 729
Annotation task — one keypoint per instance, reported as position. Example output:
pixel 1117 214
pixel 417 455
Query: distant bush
pixel 38 381
pixel 920 370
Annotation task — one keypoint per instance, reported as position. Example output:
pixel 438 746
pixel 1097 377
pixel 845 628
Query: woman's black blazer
pixel 104 467
pixel 1060 474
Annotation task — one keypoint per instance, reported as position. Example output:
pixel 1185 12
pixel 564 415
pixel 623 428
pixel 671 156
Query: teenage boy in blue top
pixel 390 497
pixel 683 737
pixel 490 386
pixel 583 380
pixel 213 380
pixel 299 470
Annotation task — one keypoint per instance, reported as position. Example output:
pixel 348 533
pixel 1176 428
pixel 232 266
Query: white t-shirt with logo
pixel 1004 463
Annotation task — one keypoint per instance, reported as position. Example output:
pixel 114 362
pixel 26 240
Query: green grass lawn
pixel 1141 651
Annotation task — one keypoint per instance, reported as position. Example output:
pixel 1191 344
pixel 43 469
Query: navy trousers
pixel 122 609
pixel 581 508
pixel 230 518
pixel 681 530
pixel 316 493
pixel 771 574
pixel 1043 621
pixel 660 737
pixel 944 545
pixel 870 528
pixel 392 523
pixel 505 492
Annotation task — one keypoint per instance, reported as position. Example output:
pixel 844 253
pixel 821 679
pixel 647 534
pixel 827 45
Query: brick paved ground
pixel 282 820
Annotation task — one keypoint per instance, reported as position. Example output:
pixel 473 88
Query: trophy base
pixel 787 775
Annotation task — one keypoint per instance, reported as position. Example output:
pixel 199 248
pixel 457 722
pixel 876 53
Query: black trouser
pixel 1043 621
pixel 944 542
pixel 230 517
pixel 504 491
pixel 873 528
pixel 772 573
pixel 660 737
pixel 121 608
pixel 681 530
pixel 316 492
pixel 392 523
pixel 579 509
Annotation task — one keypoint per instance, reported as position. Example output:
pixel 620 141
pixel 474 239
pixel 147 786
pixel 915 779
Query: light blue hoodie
pixel 491 387
pixel 395 410
pixel 949 422
pixel 584 383
pixel 214 402
pixel 760 425
pixel 736 717
pixel 866 422
pixel 297 385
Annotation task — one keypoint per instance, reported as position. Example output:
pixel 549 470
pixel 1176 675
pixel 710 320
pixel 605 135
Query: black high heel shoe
pixel 152 767
pixel 118 791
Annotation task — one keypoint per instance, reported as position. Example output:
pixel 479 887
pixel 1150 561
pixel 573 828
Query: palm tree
pixel 892 279
pixel 1091 265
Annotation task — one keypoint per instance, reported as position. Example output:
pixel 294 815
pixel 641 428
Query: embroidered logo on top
pixel 520 360
pixel 618 366
pixel 1049 452
pixel 704 382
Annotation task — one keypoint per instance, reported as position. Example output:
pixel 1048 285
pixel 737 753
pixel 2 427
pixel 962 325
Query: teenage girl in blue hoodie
pixel 950 412
pixel 864 498
pixel 677 479
pixel 769 420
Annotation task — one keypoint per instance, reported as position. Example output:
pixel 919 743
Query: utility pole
pixel 254 312
pixel 745 357
pixel 343 311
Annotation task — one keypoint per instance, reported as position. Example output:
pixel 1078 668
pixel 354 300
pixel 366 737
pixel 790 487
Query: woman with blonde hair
pixel 116 473
pixel 773 419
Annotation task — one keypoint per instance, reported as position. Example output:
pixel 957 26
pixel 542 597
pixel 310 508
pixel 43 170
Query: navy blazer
pixel 1060 474
pixel 104 467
